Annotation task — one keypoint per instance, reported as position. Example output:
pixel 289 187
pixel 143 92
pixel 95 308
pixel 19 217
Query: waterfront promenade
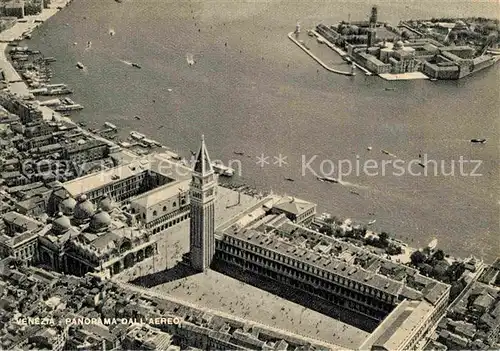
pixel 15 83
pixel 290 35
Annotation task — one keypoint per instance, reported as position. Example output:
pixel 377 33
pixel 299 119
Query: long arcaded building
pixel 270 245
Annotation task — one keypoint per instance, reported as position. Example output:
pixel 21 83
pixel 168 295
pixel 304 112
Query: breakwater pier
pixel 339 51
pixel 317 59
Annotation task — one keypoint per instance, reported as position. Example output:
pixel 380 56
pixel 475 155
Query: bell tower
pixel 202 221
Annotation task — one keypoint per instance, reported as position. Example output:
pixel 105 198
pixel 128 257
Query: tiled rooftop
pixel 320 261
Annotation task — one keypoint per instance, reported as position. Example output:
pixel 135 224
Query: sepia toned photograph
pixel 277 175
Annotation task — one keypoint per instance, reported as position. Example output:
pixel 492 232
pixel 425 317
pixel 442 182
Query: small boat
pixel 369 148
pixel 388 153
pixel 136 65
pixel 290 179
pixel 137 136
pixel 479 141
pixel 110 126
pixel 328 179
pixel 239 153
pixel 390 89
pixel 222 170
pixel 66 108
pixel 169 90
pixel 433 244
pixel 80 65
pixel 433 79
pixel 353 192
pixel 137 118
pixel 372 222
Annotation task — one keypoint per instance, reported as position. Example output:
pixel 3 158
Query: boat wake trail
pixel 126 62
pixel 352 185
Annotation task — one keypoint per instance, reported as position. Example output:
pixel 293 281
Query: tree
pixel 438 255
pixel 384 239
pixel 394 250
pixel 330 220
pixel 417 258
pixel 384 236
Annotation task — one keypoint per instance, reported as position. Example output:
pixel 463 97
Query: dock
pixel 317 59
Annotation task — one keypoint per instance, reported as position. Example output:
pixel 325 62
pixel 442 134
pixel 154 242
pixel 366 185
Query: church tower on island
pixel 202 221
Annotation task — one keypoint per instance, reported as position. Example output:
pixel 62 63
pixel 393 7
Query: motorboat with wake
pixel 328 179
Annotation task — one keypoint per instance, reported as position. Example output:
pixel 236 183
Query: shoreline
pixel 18 86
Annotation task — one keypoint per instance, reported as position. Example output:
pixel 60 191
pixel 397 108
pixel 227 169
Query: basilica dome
pixel 61 223
pixel 67 206
pixel 106 204
pixel 84 209
pixel 100 221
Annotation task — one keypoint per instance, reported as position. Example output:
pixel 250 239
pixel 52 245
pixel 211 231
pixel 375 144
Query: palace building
pixel 163 207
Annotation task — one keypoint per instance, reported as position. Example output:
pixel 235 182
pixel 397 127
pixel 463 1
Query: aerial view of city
pixel 249 175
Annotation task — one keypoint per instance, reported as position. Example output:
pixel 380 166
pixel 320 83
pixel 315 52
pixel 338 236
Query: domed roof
pixel 101 220
pixel 61 223
pixel 84 208
pixel 67 206
pixel 399 44
pixel 106 204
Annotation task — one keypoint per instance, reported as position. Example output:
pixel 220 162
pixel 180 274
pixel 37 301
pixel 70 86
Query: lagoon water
pixel 252 90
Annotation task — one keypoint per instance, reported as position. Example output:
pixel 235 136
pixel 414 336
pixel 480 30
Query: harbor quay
pixel 299 44
pixel 93 230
